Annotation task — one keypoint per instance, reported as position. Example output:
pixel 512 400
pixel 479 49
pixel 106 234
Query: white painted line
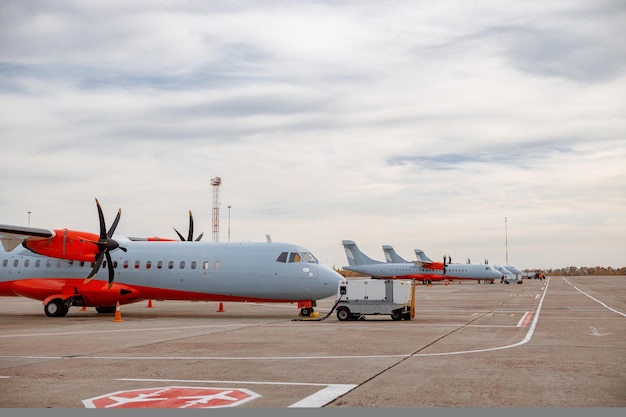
pixel 206 358
pixel 600 302
pixel 526 339
pixel 325 396
pixel 537 296
pixel 208 326
pixel 316 400
pixel 521 321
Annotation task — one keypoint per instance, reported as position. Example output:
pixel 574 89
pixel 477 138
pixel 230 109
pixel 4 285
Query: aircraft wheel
pixel 396 315
pixel 343 313
pixel 407 316
pixel 56 308
pixel 106 310
pixel 306 312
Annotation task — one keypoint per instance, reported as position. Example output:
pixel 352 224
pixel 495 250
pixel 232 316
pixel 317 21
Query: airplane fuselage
pixel 197 271
pixel 412 271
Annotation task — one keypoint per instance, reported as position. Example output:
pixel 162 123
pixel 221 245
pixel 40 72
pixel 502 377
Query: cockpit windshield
pixel 308 257
pixel 291 257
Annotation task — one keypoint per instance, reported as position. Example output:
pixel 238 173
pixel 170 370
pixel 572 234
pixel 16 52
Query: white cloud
pixel 416 125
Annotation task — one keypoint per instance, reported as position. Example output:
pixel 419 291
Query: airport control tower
pixel 216 182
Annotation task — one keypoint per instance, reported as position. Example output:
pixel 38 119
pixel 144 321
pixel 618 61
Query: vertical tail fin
pixel 421 256
pixel 391 256
pixel 355 256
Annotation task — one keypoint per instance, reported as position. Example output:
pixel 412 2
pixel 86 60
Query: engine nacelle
pixel 67 244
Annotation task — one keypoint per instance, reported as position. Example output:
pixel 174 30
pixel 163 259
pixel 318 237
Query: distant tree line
pixel 568 271
pixel 583 271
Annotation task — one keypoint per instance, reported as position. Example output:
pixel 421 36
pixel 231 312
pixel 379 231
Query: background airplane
pixel 399 268
pixel 65 268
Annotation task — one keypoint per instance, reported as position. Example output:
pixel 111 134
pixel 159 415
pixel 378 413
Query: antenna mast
pixel 215 183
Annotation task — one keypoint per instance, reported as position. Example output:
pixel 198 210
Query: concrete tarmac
pixel 554 343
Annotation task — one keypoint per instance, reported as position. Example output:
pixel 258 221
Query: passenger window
pixel 15 263
pixel 170 265
pixel 181 265
pixel 193 264
pixel 5 263
pixel 205 265
pixel 282 257
pixel 159 264
pixel 148 264
pixel 26 263
pixel 294 257
pixel 37 263
pixel 137 264
pixel 217 265
pixel 48 263
pixel 125 264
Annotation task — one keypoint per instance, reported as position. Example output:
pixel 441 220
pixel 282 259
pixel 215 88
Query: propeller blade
pixel 190 234
pixel 199 237
pixel 179 235
pixel 110 268
pixel 114 225
pixel 95 268
pixel 103 229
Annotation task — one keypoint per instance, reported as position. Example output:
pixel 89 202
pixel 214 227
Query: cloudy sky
pixel 418 124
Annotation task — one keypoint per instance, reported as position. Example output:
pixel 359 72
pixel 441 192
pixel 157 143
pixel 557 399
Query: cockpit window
pixel 294 257
pixel 297 257
pixel 308 257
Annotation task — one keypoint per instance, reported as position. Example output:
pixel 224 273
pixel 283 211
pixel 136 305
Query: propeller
pixel 190 234
pixel 105 245
pixel 444 264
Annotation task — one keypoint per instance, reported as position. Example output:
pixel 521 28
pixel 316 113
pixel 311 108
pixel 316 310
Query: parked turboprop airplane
pixel 51 265
pixel 424 271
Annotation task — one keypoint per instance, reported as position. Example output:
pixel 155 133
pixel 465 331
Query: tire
pixel 56 308
pixel 407 316
pixel 396 315
pixel 343 313
pixel 306 312
pixel 106 310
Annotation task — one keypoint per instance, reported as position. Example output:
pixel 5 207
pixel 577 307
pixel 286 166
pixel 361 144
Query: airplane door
pixel 307 271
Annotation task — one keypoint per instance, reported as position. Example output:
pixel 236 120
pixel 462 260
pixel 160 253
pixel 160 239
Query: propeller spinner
pixel 105 245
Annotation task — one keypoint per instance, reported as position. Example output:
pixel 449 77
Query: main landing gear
pixel 57 307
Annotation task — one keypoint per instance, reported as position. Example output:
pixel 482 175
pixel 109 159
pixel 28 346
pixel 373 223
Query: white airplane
pixel 507 275
pixel 418 270
pixel 51 266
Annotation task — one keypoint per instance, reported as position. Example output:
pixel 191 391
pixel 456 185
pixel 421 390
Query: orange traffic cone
pixel 221 309
pixel 118 313
pixel 149 304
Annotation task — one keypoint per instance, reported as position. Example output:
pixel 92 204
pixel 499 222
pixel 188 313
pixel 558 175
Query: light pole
pixel 229 223
pixel 506 241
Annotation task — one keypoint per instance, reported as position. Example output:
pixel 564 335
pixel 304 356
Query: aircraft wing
pixel 13 236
